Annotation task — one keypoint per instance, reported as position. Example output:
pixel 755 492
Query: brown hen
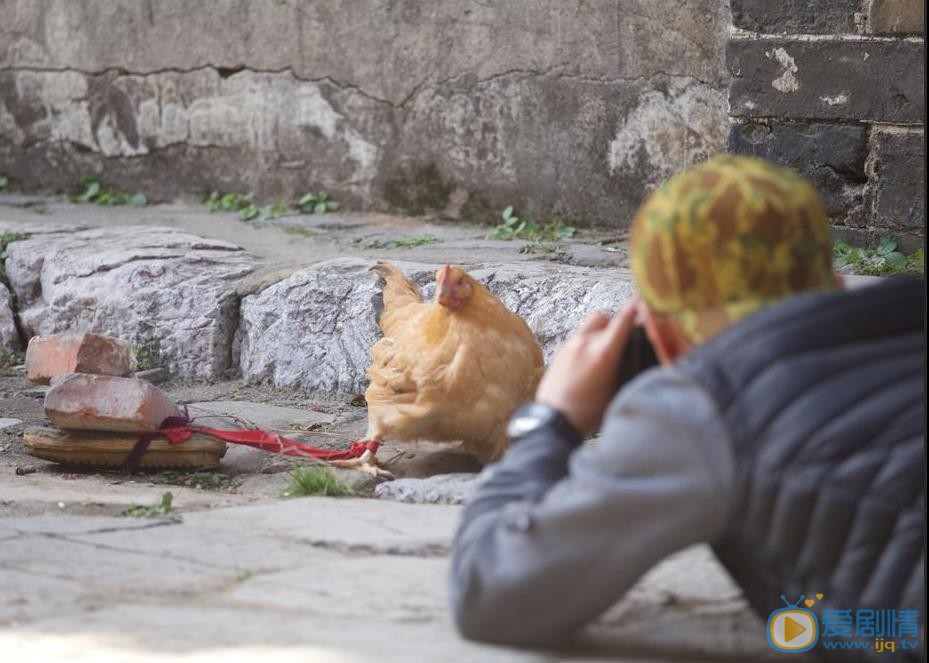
pixel 453 369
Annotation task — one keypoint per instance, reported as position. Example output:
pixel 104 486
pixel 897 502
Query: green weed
pixel 3 182
pixel 93 192
pixel 885 260
pixel 158 509
pixel 515 227
pixel 203 480
pixel 252 212
pixel 9 359
pixel 552 248
pixel 315 480
pixel 243 204
pixel 298 230
pixel 404 242
pixel 6 239
pixel 227 202
pixel 317 203
pixel 144 359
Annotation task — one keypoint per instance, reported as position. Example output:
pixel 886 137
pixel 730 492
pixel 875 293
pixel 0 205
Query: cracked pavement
pixel 318 579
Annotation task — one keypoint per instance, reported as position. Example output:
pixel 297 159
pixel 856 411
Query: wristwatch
pixel 538 416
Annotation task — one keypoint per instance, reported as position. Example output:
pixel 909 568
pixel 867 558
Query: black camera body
pixel 638 357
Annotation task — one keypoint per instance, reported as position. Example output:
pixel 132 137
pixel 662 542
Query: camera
pixel 638 356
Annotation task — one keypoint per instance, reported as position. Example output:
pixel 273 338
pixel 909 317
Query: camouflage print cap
pixel 727 238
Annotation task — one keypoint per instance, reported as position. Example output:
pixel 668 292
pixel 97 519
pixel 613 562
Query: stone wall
pixel 836 89
pixel 454 108
pixel 558 107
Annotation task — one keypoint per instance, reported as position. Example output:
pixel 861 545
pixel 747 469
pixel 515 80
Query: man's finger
pixel 616 333
pixel 593 322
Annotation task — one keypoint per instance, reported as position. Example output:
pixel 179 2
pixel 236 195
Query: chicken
pixel 453 369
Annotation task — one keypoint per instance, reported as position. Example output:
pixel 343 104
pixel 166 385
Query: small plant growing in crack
pixel 552 249
pixel 244 205
pixel 144 359
pixel 93 192
pixel 315 480
pixel 403 242
pixel 317 203
pixel 158 509
pixel 4 181
pixel 227 202
pixel 9 360
pixel 6 239
pixel 254 213
pixel 885 260
pixel 516 227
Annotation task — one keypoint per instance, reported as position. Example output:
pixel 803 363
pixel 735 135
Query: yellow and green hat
pixel 726 238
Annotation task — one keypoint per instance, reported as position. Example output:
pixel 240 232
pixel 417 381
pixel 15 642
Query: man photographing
pixel 784 427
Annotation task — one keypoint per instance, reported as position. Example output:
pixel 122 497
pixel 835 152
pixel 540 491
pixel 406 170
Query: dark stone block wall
pixel 836 89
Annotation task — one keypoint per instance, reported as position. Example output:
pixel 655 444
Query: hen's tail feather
pixel 398 289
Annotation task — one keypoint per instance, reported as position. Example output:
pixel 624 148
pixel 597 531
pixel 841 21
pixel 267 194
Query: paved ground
pixel 242 573
pixel 297 240
pixel 314 579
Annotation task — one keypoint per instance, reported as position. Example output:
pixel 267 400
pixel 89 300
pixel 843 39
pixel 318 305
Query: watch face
pixel 529 418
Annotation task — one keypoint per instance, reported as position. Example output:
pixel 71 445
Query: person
pixel 784 426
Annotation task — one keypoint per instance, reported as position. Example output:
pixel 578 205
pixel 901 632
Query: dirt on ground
pixel 32 486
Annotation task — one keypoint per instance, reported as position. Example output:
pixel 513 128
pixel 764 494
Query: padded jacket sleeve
pixel 554 536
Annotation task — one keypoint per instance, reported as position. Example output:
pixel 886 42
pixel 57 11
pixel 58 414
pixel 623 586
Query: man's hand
pixel 581 377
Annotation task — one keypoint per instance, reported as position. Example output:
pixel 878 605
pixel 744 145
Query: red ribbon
pixel 178 430
pixel 267 441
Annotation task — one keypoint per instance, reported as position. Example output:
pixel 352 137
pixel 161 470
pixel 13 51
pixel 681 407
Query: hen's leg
pixel 366 462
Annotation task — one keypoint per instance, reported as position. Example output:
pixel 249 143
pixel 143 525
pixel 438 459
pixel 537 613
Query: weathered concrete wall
pixel 571 107
pixel 836 89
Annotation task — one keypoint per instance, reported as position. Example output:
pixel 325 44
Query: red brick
pixel 48 356
pixel 103 402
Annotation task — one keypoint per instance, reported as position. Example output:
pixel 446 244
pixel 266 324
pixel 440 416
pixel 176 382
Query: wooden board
pixel 110 450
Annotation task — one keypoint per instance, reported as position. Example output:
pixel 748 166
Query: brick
pixel 896 17
pixel 796 16
pixel 850 80
pixel 48 356
pixel 832 156
pixel 102 402
pixel 898 174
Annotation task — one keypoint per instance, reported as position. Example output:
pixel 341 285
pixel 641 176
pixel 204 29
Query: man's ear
pixel 665 335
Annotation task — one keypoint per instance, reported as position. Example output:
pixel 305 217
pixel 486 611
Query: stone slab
pixel 314 329
pixel 270 417
pixel 235 581
pixel 376 525
pixel 438 489
pixel 8 422
pixel 168 292
pixel 823 80
pixel 178 631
